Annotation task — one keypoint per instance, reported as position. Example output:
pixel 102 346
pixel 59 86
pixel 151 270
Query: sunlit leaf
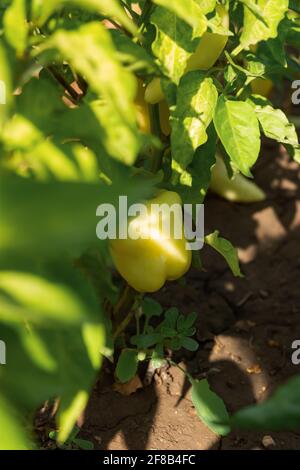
pixel 127 365
pixel 188 10
pixel 255 30
pixel 196 100
pixel 175 42
pixel 210 407
pixel 225 248
pixel 237 126
pixel 12 435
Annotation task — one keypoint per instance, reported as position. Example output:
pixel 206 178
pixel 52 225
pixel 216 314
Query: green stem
pixel 123 325
pixel 124 310
pixel 60 79
pixel 134 15
pixel 145 13
pixel 137 320
pixel 157 157
pixel 237 50
pixel 172 363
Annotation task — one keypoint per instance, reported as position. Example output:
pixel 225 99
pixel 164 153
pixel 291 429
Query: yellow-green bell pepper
pixel 147 263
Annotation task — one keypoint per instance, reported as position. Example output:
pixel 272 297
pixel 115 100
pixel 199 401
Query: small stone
pixel 255 369
pixel 264 294
pixel 268 441
pixel 272 343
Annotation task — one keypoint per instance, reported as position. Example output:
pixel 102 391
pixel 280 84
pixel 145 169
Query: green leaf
pixel 255 9
pixel 175 42
pixel 44 9
pixel 70 377
pixel 70 409
pixel 277 48
pixel 84 444
pixel 189 343
pixel 281 412
pixel 180 323
pixel 187 10
pixel 28 297
pixel 207 6
pixel 54 217
pixel 171 316
pixel 96 265
pixel 132 54
pixel 254 29
pixel 146 341
pixel 196 101
pixel 99 64
pixel 127 365
pixel 16 27
pixel 195 180
pixel 210 407
pixel 238 128
pixel 166 331
pixel 151 308
pixel 225 248
pixel 12 435
pixel 275 124
pixel 7 70
pixel 190 320
pixel 174 344
pixel 33 136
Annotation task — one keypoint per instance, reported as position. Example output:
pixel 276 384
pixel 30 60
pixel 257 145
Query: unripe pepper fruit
pixel 210 48
pixel 237 189
pixel 143 113
pixel 261 86
pixel 147 263
pixel 142 109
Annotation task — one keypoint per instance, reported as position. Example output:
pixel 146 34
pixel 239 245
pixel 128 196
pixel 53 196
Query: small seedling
pixel 73 442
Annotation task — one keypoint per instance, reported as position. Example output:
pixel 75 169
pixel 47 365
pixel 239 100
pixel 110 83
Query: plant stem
pixel 172 363
pixel 145 13
pixel 124 310
pixel 157 156
pixel 134 15
pixel 237 50
pixel 124 323
pixel 64 83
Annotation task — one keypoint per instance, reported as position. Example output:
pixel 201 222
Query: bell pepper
pixel 148 262
pixel 142 110
pixel 143 113
pixel 237 189
pixel 164 118
pixel 210 48
pixel 261 86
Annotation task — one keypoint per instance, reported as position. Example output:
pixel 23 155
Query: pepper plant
pixel 101 99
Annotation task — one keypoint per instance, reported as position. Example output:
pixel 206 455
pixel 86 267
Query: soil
pixel 245 329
